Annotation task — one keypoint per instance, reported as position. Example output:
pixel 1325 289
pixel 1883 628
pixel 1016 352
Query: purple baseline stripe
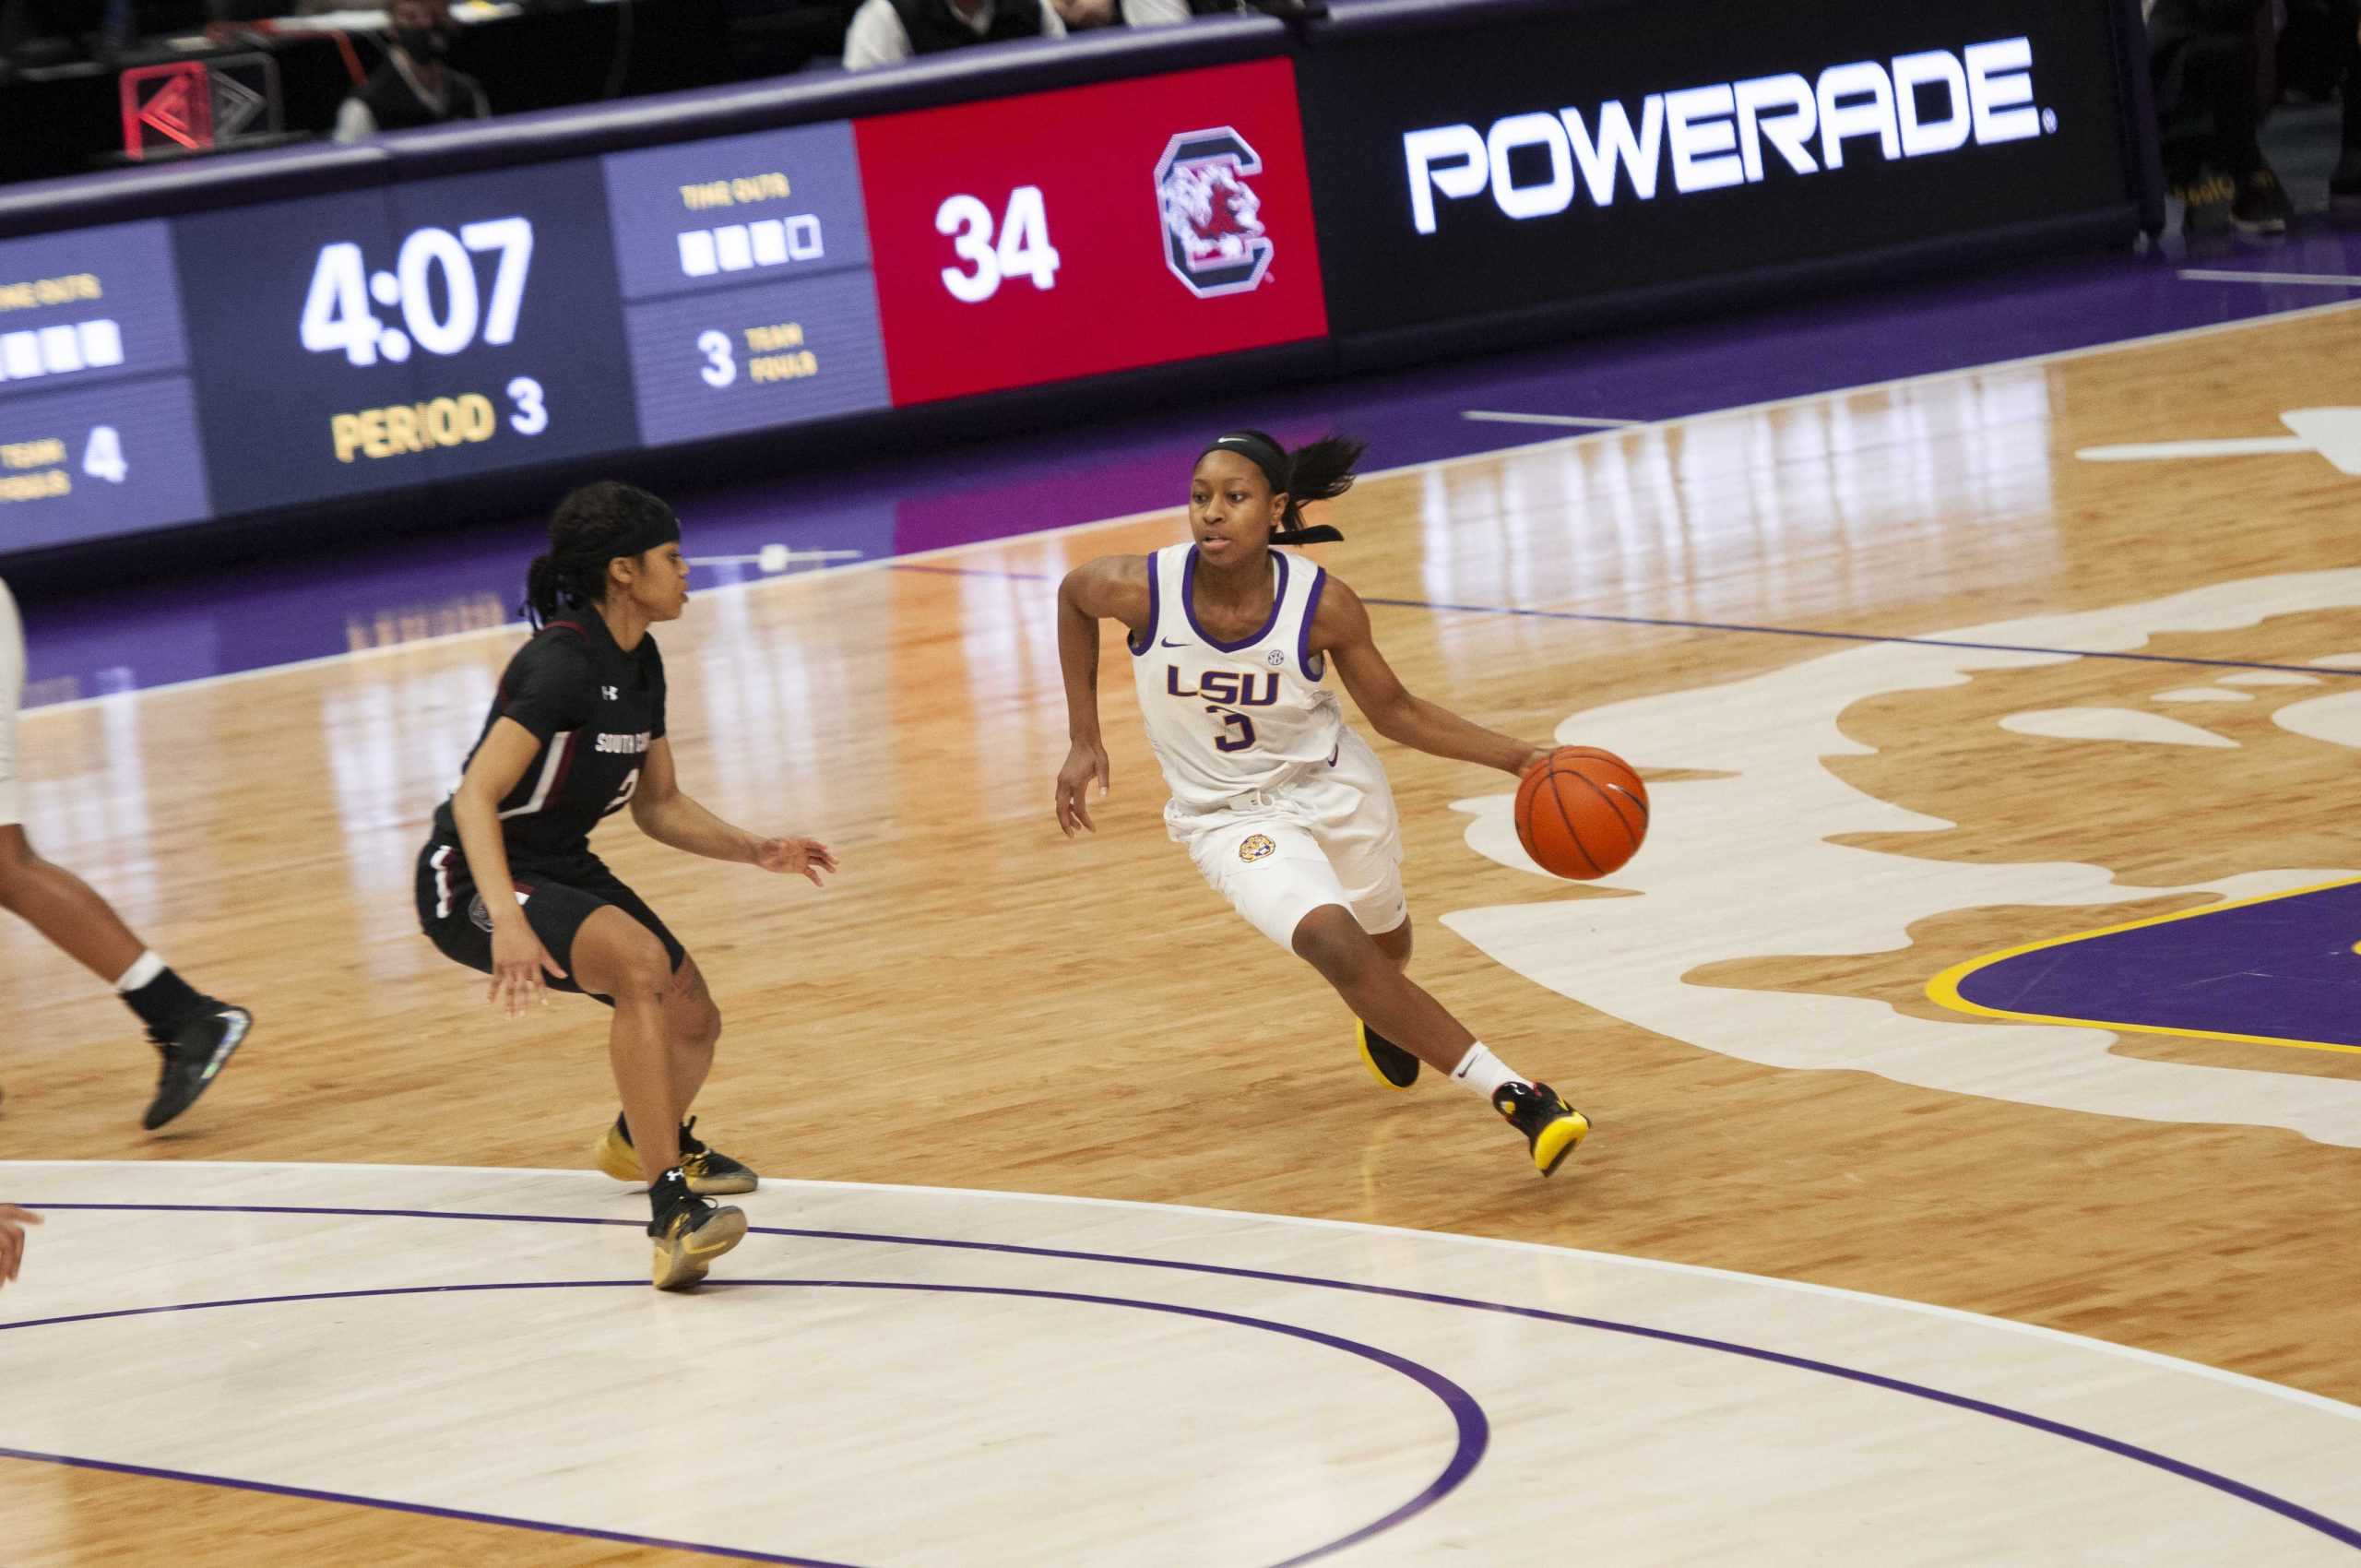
pixel 1189 604
pixel 1303 655
pixel 1141 644
pixel 1472 1429
pixel 2300 1515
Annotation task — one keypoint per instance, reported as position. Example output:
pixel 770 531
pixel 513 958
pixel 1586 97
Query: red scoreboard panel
pixel 1095 229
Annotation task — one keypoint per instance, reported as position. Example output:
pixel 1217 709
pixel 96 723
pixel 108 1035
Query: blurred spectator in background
pixel 2205 57
pixel 413 87
pixel 886 32
pixel 1080 14
pixel 2320 59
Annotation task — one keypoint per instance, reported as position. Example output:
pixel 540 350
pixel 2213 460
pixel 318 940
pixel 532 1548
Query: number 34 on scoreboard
pixel 1018 246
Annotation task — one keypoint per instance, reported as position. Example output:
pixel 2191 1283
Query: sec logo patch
pixel 1255 848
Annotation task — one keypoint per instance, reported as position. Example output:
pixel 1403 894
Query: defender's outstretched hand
pixel 788 856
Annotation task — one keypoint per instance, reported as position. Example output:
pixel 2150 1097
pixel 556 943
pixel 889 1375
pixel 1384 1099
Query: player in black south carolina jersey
pixel 576 734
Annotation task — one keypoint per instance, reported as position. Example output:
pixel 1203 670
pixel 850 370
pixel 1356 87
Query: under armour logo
pixel 609 691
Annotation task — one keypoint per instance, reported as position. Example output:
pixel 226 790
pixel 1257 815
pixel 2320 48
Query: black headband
pixel 1266 454
pixel 652 529
pixel 1258 449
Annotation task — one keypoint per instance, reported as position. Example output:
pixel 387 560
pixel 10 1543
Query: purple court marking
pixel 1472 1429
pixel 2343 1534
pixel 304 606
pixel 2278 968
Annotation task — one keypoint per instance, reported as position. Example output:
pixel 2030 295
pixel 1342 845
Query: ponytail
pixel 546 589
pixel 591 527
pixel 1320 472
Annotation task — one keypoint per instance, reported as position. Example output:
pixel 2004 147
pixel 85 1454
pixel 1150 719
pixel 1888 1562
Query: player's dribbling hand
pixel 1085 762
pixel 787 855
pixel 12 1239
pixel 518 960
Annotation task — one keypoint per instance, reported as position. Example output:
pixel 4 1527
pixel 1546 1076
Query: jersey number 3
pixel 1239 721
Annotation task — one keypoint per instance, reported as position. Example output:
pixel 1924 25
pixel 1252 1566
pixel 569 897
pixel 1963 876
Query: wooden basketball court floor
pixel 1087 1237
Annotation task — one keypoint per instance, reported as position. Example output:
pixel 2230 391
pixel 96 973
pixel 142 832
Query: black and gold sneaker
pixel 1551 1126
pixel 690 1232
pixel 1388 1063
pixel 710 1172
pixel 2206 198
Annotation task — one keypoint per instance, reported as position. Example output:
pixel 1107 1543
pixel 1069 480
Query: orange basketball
pixel 1581 813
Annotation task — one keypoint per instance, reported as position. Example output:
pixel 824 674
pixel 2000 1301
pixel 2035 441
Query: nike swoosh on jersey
pixel 1170 643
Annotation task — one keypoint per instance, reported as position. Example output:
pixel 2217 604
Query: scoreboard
pixel 260 357
pixel 1485 173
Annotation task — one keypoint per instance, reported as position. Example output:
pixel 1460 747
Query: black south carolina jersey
pixel 595 710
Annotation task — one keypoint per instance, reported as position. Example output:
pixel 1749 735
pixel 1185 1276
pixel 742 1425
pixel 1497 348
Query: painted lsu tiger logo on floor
pixel 1853 826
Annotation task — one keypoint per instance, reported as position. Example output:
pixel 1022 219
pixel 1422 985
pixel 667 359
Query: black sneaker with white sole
pixel 2261 206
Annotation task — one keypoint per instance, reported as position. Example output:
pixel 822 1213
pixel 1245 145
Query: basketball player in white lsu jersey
pixel 1285 810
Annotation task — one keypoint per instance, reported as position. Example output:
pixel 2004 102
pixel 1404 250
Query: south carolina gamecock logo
pixel 1214 239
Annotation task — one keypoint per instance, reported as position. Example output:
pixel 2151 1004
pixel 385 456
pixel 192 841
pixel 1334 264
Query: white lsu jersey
pixel 1233 720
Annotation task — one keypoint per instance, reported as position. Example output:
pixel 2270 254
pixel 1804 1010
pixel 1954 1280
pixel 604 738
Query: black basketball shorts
pixel 556 900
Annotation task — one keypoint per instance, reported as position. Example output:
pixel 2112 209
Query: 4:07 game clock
pixel 390 337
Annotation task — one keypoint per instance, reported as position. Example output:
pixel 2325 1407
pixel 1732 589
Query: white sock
pixel 146 967
pixel 1483 1072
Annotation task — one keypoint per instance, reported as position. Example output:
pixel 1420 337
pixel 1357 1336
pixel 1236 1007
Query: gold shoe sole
pixel 1558 1140
pixel 683 1262
pixel 617 1159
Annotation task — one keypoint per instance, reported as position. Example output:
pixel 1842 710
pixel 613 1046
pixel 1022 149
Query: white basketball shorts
pixel 1330 838
pixel 12 692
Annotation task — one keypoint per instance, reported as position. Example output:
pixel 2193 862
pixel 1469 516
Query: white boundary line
pixel 2059 356
pixel 2234 446
pixel 2326 280
pixel 2153 1357
pixel 1496 416
pixel 784 558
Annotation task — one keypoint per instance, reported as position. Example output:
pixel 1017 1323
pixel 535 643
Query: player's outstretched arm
pixel 1111 588
pixel 1341 630
pixel 667 814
